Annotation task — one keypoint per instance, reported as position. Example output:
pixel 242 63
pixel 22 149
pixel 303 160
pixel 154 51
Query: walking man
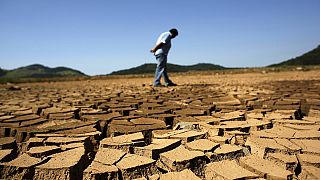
pixel 161 51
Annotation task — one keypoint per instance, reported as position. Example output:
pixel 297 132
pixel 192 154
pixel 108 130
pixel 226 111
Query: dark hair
pixel 174 31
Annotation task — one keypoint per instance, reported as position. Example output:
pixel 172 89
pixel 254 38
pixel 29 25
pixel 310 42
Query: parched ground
pixel 211 126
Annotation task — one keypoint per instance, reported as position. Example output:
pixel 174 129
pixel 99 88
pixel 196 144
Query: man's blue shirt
pixel 164 38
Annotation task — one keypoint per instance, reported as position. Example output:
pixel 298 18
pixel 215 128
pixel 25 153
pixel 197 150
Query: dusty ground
pixel 210 126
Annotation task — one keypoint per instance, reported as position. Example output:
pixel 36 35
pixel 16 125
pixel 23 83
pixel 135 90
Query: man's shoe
pixel 171 84
pixel 158 85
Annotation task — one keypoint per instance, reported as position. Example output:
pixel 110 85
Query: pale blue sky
pixel 101 36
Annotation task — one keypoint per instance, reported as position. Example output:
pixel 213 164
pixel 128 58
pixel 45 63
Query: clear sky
pixel 101 36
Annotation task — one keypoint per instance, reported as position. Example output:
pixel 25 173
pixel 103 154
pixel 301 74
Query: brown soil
pixel 220 125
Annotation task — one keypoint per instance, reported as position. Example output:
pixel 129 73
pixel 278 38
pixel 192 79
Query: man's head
pixel 174 32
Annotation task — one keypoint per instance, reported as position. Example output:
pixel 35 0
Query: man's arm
pixel 158 46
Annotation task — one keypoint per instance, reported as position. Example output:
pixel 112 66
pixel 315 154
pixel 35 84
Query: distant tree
pixel 2 72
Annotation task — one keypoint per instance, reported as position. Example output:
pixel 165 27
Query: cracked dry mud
pixel 211 126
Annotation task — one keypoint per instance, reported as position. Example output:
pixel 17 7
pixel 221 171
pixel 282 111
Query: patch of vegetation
pixel 2 72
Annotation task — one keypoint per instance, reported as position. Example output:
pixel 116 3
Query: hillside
pixel 310 58
pixel 39 71
pixel 150 68
pixel 2 72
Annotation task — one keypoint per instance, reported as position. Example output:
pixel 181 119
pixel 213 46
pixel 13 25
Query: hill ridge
pixel 147 68
pixel 39 71
pixel 311 57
